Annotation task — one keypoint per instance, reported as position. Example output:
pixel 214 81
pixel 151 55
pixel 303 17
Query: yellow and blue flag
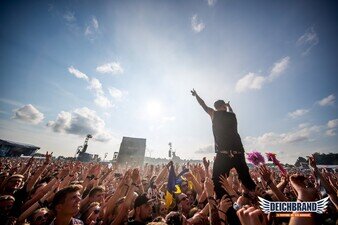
pixel 170 186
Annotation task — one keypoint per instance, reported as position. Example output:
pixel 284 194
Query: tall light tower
pixel 83 148
pixel 172 152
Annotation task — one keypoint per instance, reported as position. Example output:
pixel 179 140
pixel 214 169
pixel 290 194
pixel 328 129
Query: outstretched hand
pixel 209 187
pixel 206 163
pixel 251 216
pixel 48 157
pixel 193 92
pixel 312 161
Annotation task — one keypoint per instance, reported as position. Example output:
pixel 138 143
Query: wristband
pixel 222 211
pixel 236 206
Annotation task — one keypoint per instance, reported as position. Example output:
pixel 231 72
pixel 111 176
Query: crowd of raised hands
pixel 60 192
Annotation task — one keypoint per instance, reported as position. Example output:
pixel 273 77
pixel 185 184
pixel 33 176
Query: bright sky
pixel 126 68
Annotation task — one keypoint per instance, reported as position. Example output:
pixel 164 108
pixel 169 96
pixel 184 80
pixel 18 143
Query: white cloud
pixel 96 86
pixel 211 2
pixel 250 81
pixel 329 100
pixel 117 94
pixel 81 122
pixel 92 29
pixel 71 23
pixel 77 73
pixel 100 98
pixel 196 24
pixel 332 123
pixel 95 23
pixel 69 16
pixel 331 132
pixel 29 114
pixel 298 113
pixel 209 149
pixel 279 67
pixel 113 68
pixel 103 101
pixel 308 40
pixel 270 139
pixel 332 127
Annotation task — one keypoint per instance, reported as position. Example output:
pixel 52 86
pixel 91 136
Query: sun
pixel 154 108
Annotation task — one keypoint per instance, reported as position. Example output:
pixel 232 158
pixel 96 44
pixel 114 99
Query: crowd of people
pixel 64 192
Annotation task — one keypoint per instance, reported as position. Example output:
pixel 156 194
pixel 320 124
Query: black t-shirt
pixel 224 127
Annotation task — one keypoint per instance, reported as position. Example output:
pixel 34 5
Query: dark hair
pixel 174 218
pixel 61 195
pixel 31 217
pixel 218 104
pixel 95 190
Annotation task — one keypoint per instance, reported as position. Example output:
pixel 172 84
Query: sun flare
pixel 154 108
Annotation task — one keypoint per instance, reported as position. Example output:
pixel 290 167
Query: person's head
pixel 6 204
pixel 220 105
pixel 163 209
pixel 184 186
pixel 175 218
pixel 193 211
pixel 91 213
pixel 14 182
pixel 97 194
pixel 143 208
pixel 67 201
pixel 191 196
pixel 183 203
pixel 39 217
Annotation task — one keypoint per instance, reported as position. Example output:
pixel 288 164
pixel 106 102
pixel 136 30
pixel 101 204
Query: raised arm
pixel 32 181
pixel 206 108
pixel 229 107
pixel 329 189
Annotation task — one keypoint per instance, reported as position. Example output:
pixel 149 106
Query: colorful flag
pixel 170 186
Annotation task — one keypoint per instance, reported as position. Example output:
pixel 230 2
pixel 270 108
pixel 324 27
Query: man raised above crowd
pixel 228 145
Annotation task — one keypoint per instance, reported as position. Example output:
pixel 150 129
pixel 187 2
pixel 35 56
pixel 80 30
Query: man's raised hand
pixel 193 92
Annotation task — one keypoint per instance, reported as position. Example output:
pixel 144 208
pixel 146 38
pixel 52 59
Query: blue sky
pixel 126 68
